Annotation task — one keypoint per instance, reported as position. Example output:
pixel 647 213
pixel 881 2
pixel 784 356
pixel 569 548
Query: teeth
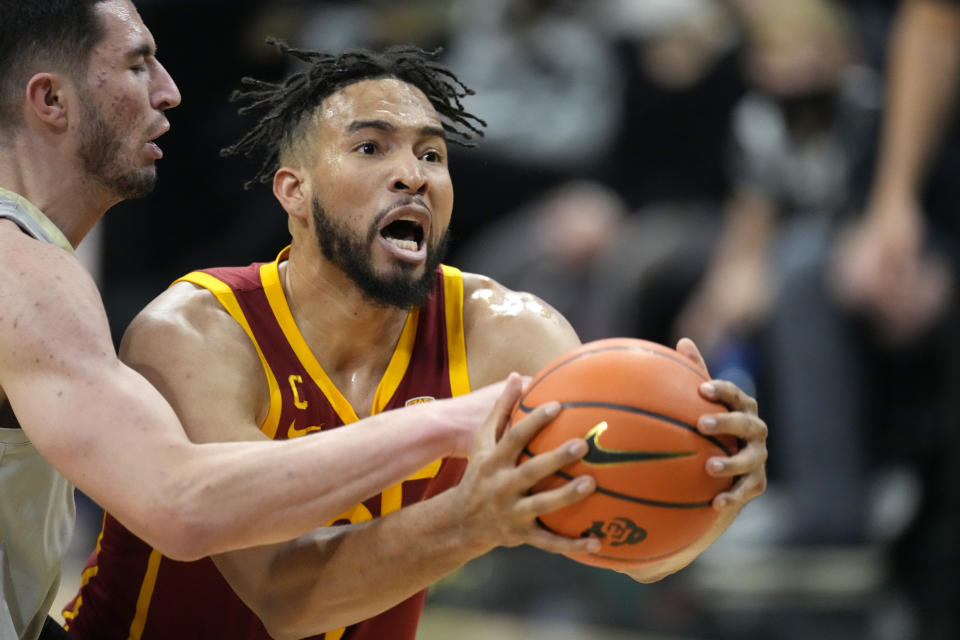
pixel 408 245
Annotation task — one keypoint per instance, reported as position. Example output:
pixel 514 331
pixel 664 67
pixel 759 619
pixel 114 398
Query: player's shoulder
pixel 488 302
pixel 38 266
pixel 45 290
pixel 509 330
pixel 186 316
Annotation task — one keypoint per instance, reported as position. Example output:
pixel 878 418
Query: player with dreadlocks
pixel 355 317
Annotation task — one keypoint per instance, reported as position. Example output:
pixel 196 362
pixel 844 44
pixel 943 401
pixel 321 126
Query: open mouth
pixel 404 234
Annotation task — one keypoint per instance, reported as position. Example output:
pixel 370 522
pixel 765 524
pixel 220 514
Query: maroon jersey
pixel 129 590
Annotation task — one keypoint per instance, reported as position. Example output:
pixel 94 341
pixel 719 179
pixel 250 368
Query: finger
pixel 499 416
pixel 538 467
pixel 729 394
pixel 546 540
pixel 515 439
pixel 745 426
pixel 745 489
pixel 747 460
pixel 526 382
pixel 688 348
pixel 537 504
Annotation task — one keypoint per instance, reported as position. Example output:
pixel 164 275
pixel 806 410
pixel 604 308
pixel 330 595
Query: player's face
pixel 382 190
pixel 122 101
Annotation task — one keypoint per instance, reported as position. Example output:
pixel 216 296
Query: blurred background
pixel 721 169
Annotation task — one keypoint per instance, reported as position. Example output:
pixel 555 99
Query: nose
pixel 165 94
pixel 409 175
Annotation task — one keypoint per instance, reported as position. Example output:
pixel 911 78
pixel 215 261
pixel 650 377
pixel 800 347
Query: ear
pixel 47 99
pixel 293 193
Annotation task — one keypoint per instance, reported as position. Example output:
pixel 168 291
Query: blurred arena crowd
pixel 658 169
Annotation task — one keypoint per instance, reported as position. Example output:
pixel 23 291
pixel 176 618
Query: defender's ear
pixel 292 192
pixel 48 98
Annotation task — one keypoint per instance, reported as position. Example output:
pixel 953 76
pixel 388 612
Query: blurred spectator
pixel 862 326
pixel 679 60
pixel 798 137
pixel 869 333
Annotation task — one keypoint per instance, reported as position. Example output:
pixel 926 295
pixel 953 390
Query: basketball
pixel 637 404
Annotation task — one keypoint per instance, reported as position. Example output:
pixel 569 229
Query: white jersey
pixel 37 511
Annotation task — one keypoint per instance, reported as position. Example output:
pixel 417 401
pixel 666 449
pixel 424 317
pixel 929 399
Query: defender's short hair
pixel 38 35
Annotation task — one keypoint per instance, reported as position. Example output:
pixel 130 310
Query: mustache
pixel 402 201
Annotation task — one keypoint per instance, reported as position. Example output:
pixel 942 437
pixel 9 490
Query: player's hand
pixel 471 412
pixel 492 497
pixel 743 422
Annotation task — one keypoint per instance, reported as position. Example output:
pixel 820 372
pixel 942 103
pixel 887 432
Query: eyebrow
pixel 143 49
pixel 383 125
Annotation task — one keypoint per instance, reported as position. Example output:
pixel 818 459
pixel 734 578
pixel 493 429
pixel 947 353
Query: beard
pixel 101 146
pixel 354 256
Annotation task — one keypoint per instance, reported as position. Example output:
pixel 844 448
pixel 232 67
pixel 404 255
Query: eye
pixel 432 156
pixel 366 148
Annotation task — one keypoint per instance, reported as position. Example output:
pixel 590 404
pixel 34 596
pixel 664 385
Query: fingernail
pixel 577 448
pixel 709 423
pixel 722 503
pixel 594 546
pixel 708 388
pixel 715 465
pixel 551 409
pixel 584 485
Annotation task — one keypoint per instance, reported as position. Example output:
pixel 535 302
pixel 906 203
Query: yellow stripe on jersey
pixel 270 278
pixel 391 499
pixel 399 362
pixel 85 577
pixel 456 342
pixel 229 301
pixel 146 594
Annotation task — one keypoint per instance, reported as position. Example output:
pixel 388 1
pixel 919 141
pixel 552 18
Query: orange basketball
pixel 637 404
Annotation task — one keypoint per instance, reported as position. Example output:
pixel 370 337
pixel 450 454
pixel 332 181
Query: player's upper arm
pixel 57 359
pixel 510 331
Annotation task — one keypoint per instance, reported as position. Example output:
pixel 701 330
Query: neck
pixel 51 180
pixel 352 337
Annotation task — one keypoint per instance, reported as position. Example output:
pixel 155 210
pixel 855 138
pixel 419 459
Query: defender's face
pixel 125 93
pixel 381 174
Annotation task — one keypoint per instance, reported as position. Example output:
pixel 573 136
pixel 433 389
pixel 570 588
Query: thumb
pixel 499 416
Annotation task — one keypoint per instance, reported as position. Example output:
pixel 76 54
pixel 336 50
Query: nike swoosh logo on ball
pixel 597 454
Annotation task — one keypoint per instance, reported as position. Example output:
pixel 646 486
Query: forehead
pixel 125 31
pixel 387 99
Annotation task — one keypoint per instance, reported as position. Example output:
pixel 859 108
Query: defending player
pixel 357 315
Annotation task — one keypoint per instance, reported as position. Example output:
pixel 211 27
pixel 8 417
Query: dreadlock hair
pixel 287 105
pixel 42 35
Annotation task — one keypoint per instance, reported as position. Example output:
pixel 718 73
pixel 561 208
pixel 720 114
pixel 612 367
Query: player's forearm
pixel 272 491
pixel 341 575
pixel 127 451
pixel 921 87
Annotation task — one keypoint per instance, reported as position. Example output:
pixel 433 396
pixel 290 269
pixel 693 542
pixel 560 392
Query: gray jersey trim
pixel 13 211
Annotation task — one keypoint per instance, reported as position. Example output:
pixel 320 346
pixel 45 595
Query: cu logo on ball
pixel 616 532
